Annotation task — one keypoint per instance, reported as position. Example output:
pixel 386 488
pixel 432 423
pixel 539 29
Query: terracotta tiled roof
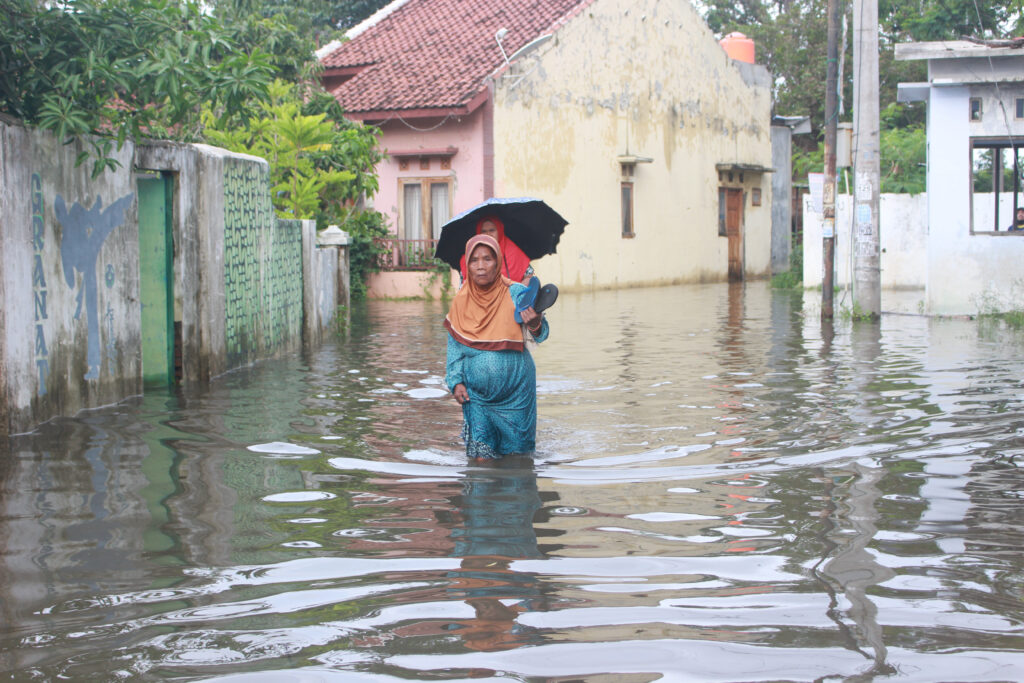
pixel 437 54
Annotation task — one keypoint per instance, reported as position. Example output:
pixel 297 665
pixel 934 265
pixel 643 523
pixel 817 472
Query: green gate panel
pixel 156 277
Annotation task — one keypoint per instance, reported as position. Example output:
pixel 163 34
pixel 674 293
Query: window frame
pixel 426 203
pixel 627 222
pixel 975 113
pixel 1001 143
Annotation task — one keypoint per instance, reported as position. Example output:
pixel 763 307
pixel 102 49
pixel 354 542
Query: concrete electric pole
pixel 828 190
pixel 867 291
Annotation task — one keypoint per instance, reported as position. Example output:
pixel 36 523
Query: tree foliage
pixel 123 68
pixel 791 40
pixel 108 70
pixel 319 21
pixel 319 166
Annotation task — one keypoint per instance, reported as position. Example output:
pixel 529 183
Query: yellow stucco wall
pixel 643 77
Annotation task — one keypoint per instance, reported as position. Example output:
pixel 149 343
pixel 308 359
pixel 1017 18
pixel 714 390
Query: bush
pixel 365 229
pixel 793 278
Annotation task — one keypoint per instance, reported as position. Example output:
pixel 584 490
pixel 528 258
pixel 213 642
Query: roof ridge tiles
pixel 411 66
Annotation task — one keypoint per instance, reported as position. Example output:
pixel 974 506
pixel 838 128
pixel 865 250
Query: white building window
pixel 997 186
pixel 426 206
pixel 975 109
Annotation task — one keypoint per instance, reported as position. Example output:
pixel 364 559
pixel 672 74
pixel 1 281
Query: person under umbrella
pixel 489 370
pixel 515 264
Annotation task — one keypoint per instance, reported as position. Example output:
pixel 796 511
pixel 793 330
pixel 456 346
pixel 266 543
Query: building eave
pixel 383 115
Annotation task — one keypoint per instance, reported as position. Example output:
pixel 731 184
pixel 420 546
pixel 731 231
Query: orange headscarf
pixel 513 261
pixel 484 318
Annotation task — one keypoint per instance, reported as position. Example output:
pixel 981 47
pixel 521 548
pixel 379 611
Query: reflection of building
pixel 80 505
pixel 415 519
pixel 627 116
pixel 975 99
pixel 706 522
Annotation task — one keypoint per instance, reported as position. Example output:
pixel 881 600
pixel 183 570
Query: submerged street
pixel 723 490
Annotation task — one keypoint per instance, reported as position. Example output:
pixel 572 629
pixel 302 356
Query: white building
pixel 975 97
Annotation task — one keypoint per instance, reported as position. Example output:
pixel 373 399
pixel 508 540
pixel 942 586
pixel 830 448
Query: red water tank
pixel 738 47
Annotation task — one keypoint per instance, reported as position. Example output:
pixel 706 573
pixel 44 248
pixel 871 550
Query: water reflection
pixel 724 486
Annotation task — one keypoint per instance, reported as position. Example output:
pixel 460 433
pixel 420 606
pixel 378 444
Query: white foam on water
pixel 426 392
pixel 435 458
pixel 398 468
pixel 302 544
pixel 308 520
pixel 282 448
pixel 299 497
pixel 670 517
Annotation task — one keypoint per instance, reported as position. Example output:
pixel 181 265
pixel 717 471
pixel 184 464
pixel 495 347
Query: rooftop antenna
pixel 498 37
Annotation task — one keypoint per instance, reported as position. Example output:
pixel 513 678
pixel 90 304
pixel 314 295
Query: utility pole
pixel 867 290
pixel 828 225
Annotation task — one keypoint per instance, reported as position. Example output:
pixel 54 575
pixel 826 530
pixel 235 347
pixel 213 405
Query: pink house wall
pixel 466 133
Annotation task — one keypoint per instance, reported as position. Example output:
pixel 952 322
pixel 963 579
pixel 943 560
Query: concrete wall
pixel 409 284
pixel 967 272
pixel 325 287
pixel 70 285
pixel 782 205
pixel 903 234
pixel 198 225
pixel 645 78
pixel 70 280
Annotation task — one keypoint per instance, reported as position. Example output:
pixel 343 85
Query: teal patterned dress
pixel 501 415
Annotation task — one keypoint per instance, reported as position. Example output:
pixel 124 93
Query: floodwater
pixel 724 490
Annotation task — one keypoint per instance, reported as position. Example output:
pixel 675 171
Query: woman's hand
pixel 460 394
pixel 532 318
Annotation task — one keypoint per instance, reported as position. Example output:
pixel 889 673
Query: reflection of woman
pixel 515 265
pixel 498 507
pixel 490 372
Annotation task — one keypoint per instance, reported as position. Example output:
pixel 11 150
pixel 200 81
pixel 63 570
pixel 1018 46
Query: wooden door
pixel 734 231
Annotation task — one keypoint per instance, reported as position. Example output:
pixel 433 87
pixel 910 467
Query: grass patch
pixel 793 278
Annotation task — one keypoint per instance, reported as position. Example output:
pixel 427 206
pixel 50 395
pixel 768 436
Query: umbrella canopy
pixel 533 225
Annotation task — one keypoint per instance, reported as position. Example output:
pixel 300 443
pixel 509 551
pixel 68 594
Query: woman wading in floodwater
pixel 490 372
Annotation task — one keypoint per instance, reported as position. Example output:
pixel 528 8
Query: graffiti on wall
pixel 262 266
pixel 39 281
pixel 84 231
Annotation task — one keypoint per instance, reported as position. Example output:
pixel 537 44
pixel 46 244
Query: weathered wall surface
pixel 70 279
pixel 198 225
pixel 903 234
pixel 645 78
pixel 262 268
pixel 70 291
pixel 966 272
pixel 322 294
pixel 782 187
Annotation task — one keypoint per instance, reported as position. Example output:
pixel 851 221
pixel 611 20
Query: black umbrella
pixel 533 225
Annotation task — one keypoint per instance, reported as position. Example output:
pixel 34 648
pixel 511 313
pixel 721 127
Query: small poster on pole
pixel 816 183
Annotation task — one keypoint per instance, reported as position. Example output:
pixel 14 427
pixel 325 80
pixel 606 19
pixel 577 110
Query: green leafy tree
pixel 321 166
pixel 317 20
pixel 107 70
pixel 903 149
pixel 791 40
